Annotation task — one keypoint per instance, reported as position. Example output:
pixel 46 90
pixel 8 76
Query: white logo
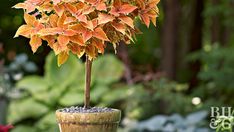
pixel 222 117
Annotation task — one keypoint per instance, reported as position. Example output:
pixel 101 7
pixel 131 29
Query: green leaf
pixel 52 128
pixel 50 97
pixel 115 95
pixel 97 92
pixel 79 84
pixel 23 109
pixel 64 75
pixel 72 97
pixel 33 84
pixel 47 121
pixel 107 69
pixel 24 128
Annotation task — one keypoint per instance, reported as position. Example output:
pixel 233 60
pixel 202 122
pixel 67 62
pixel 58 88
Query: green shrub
pixel 158 96
pixel 217 73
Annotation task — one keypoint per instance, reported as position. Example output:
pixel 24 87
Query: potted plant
pixel 84 27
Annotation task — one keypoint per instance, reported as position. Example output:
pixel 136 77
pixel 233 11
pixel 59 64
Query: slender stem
pixel 87 83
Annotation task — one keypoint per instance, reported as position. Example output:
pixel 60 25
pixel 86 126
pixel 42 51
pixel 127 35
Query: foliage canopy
pixel 83 26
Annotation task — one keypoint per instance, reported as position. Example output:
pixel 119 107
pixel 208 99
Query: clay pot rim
pixel 112 111
pixel 97 118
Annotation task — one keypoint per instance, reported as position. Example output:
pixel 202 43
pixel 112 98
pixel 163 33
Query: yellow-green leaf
pixel 62 57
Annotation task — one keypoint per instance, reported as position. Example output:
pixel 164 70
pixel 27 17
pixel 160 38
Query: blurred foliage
pixel 43 95
pixel 159 96
pixel 194 122
pixel 217 73
pixel 10 20
pixel 10 74
pixel 147 45
pixel 223 9
pixel 18 68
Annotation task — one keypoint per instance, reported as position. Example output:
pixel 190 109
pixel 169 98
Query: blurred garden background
pixel 166 81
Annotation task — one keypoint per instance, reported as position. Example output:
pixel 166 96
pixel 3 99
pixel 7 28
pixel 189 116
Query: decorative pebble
pixel 78 109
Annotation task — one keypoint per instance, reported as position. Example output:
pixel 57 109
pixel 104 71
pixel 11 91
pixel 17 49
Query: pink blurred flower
pixel 5 128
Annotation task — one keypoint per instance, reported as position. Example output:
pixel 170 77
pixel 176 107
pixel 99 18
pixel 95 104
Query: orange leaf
pixel 146 20
pixel 87 9
pixel 141 4
pixel 77 39
pixel 83 1
pixel 101 7
pixel 55 2
pixel 76 49
pixel 153 3
pixel 53 19
pixel 92 2
pixel 63 40
pixel 35 43
pixel 156 10
pixel 120 8
pixel 80 4
pixel 119 27
pixel 50 39
pixel 59 48
pixel 50 31
pixel 95 23
pixel 69 20
pixel 78 28
pixel 23 30
pixel 38 26
pixel 26 5
pixel 104 18
pixel 35 2
pixel 99 45
pixel 88 24
pixel 82 18
pixel 46 6
pixel 62 58
pixel 87 35
pixel 61 21
pixel 90 51
pixel 127 8
pixel 116 6
pixel 154 21
pixel 114 11
pixel 20 6
pixel 72 9
pixel 29 19
pixel 100 34
pixel 117 3
pixel 127 20
pixel 68 32
pixel 59 9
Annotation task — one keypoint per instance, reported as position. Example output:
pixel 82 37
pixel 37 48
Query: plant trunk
pixel 216 24
pixel 87 82
pixel 196 42
pixel 170 37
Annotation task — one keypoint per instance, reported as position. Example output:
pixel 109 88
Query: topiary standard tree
pixel 84 27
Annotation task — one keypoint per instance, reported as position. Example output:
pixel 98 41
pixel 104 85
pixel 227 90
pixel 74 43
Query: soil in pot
pixel 95 119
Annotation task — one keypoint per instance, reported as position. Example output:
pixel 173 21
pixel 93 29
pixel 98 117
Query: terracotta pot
pixel 89 122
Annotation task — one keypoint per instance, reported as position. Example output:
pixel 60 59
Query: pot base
pixel 87 127
pixel 88 122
